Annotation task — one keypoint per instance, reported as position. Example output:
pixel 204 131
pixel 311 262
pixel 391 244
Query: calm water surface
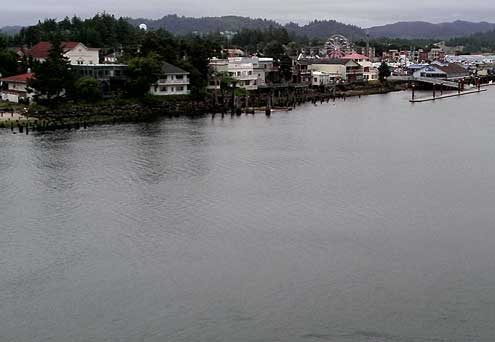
pixel 365 220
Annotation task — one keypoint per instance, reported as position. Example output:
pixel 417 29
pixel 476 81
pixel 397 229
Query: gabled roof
pixel 355 56
pixel 22 78
pixel 452 68
pixel 338 61
pixel 42 49
pixel 168 68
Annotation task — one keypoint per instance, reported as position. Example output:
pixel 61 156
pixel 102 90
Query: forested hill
pixel 477 43
pixel 325 28
pixel 184 25
pixel 425 30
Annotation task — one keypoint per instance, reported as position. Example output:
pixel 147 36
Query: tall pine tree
pixel 53 77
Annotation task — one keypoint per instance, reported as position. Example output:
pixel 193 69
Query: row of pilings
pixel 41 125
pixel 285 97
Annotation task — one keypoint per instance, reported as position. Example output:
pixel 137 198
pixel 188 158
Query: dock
pixel 446 96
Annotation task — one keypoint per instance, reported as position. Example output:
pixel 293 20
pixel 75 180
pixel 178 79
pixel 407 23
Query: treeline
pixel 269 42
pixel 103 30
pixel 181 25
pixel 207 25
pixel 476 43
pixel 191 53
pixel 8 59
pixel 384 44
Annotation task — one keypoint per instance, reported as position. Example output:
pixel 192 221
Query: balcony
pixel 183 81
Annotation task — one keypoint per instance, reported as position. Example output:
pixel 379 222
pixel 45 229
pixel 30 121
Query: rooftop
pixel 168 68
pixel 42 49
pixel 355 56
pixel 21 78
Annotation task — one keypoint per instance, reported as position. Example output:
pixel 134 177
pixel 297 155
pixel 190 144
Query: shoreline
pixel 83 115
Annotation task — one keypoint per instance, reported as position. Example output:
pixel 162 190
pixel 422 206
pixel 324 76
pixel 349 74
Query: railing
pixel 167 81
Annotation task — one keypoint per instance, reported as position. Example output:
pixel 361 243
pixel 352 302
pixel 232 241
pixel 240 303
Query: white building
pixel 319 78
pixel 347 69
pixel 16 88
pixel 430 71
pixel 77 53
pixel 238 69
pixel 173 81
pixel 370 72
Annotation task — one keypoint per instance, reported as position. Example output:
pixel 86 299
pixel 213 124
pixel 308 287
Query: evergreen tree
pixel 384 71
pixel 142 73
pixel 53 77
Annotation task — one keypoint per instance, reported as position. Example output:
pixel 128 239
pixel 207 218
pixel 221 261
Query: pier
pixel 445 96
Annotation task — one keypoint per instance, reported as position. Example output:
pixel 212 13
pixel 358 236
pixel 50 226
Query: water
pixel 365 220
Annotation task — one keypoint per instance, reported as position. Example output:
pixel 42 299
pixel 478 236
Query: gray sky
pixel 359 12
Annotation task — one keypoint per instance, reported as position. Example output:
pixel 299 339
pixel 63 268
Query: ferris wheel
pixel 337 46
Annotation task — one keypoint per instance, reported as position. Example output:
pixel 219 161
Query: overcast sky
pixel 363 13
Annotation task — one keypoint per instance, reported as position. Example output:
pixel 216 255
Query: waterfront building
pixel 450 71
pixel 347 69
pixel 77 53
pixel 112 77
pixel 453 70
pixel 430 71
pixel 319 78
pixel 173 81
pixel 262 67
pixel 370 73
pixel 15 88
pixel 239 69
pixel 301 74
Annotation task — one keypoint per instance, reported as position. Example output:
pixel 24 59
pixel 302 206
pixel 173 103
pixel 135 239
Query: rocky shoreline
pixel 82 115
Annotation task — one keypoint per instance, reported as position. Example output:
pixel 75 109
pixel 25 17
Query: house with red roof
pixel 15 88
pixel 77 53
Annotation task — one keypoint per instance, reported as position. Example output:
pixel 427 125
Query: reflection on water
pixel 369 220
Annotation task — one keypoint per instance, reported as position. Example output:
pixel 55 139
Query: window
pixel 181 89
pixel 163 89
pixel 179 77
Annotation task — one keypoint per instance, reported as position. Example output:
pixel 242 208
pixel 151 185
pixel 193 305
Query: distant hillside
pixel 424 30
pixel 184 25
pixel 325 28
pixel 10 30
